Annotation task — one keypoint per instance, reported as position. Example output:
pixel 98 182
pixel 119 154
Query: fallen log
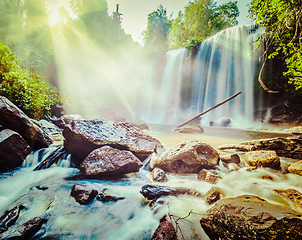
pixel 216 106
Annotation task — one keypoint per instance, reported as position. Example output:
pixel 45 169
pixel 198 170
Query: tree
pixel 157 29
pixel 282 22
pixel 201 19
pixel 117 16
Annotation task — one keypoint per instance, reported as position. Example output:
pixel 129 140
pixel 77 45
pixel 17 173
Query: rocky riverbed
pixel 111 180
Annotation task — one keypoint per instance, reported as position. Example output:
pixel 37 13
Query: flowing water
pixel 46 193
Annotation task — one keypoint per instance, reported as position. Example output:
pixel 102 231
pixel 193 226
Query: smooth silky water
pixel 46 193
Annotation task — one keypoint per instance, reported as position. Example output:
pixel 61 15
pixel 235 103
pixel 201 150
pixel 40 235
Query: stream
pixel 46 193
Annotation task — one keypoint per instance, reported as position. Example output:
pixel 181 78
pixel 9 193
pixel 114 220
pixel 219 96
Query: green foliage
pixel 282 22
pixel 201 19
pixel 24 88
pixel 157 30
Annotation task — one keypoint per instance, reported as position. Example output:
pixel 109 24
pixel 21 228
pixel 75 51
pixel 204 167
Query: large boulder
pixel 108 161
pixel 83 136
pixel 251 217
pixel 13 150
pixel 187 157
pixel 263 159
pixel 13 118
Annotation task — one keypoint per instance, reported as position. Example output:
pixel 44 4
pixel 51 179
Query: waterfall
pixel 223 66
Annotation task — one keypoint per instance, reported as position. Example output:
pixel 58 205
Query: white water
pixel 131 218
pixel 223 66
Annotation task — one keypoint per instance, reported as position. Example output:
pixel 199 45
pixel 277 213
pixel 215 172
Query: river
pixel 46 193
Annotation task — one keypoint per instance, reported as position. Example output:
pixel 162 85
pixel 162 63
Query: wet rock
pixel 165 230
pixel 230 158
pixel 285 147
pixel 54 157
pixel 213 195
pixel 210 176
pixel 293 197
pixel 295 168
pixel 9 218
pixel 155 191
pixel 13 118
pixel 189 128
pixel 251 217
pixel 24 231
pixel 105 197
pixel 263 159
pixel 13 150
pixel 49 128
pixel 159 175
pixel 82 194
pixel 108 161
pixel 187 157
pixel 83 136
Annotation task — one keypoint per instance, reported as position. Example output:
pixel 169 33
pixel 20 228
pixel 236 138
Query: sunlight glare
pixel 54 17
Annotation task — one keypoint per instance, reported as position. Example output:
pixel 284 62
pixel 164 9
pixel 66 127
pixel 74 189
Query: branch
pixel 260 81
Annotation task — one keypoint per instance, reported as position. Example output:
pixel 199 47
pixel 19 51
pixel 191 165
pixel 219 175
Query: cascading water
pixel 224 65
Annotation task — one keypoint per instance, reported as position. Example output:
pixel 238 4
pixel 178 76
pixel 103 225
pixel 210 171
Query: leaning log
pixel 212 108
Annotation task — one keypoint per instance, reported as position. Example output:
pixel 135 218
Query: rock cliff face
pixel 83 136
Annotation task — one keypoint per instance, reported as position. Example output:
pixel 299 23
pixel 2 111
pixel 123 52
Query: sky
pixel 135 12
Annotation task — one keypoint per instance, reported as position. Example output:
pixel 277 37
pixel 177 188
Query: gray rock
pixel 82 194
pixel 83 136
pixel 189 128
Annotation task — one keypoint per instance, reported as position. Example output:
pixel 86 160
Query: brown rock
pixel 251 217
pixel 263 159
pixel 159 175
pixel 287 147
pixel 295 168
pixel 13 118
pixel 13 150
pixel 82 194
pixel 293 197
pixel 187 157
pixel 230 158
pixel 165 230
pixel 189 128
pixel 210 176
pixel 108 161
pixel 213 195
pixel 83 136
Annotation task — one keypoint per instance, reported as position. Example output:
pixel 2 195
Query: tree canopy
pixel 282 22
